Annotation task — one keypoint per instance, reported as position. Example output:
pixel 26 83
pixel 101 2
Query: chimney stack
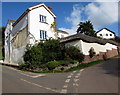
pixel 50 8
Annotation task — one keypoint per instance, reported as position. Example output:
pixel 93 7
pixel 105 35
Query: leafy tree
pixel 2 36
pixel 86 28
pixel 54 27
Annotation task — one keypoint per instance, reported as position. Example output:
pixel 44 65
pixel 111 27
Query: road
pixel 101 78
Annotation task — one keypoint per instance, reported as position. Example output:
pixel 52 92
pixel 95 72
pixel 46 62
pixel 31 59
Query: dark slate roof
pixel 106 29
pixel 86 38
pixel 61 31
pixel 11 20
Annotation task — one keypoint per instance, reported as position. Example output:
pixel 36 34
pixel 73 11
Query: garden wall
pixel 101 56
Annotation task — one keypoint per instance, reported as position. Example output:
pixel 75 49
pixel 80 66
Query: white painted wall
pixel 76 43
pixel 85 46
pixel 97 47
pixel 104 32
pixel 35 25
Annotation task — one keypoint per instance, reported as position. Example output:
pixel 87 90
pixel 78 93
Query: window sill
pixel 43 22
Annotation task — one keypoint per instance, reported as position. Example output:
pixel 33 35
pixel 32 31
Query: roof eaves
pixel 106 29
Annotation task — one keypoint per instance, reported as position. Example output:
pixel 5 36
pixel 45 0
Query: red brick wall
pixel 101 56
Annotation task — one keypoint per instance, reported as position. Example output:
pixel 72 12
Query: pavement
pixel 101 78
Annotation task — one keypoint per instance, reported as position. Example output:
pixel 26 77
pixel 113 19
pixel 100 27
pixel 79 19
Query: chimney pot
pixel 50 8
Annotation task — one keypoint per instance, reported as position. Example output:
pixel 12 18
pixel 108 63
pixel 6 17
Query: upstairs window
pixel 110 34
pixel 43 34
pixel 62 36
pixel 100 34
pixel 42 18
pixel 106 34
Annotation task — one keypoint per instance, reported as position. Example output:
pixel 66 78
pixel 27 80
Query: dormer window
pixel 42 18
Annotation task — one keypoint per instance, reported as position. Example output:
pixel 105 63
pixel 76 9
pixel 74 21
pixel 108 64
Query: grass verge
pixel 84 65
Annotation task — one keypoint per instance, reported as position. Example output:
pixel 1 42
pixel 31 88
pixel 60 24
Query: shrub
pixel 52 65
pixel 74 53
pixel 51 50
pixel 91 52
pixel 33 57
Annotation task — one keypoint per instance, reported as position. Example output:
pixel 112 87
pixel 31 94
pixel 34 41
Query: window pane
pixel 45 35
pixel 40 34
pixel 42 18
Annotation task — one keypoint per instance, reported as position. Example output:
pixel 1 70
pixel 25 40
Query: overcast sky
pixel 69 14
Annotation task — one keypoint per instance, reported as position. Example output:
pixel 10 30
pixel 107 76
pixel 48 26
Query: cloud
pixel 102 13
pixel 74 19
pixel 99 13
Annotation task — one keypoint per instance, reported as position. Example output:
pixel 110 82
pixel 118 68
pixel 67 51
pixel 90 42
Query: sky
pixel 70 14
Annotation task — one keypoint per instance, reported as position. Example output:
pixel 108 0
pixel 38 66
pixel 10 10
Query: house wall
pixel 76 43
pixel 104 32
pixel 35 25
pixel 8 40
pixel 14 55
pixel 17 55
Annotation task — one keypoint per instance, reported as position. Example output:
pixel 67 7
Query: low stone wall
pixel 101 56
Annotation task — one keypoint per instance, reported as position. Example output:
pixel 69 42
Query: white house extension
pixel 102 47
pixel 105 33
pixel 32 26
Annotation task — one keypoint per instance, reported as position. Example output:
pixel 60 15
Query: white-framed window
pixel 43 18
pixel 43 34
pixel 100 34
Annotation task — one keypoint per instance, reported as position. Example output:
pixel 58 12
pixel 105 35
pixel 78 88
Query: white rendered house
pixel 105 33
pixel 32 26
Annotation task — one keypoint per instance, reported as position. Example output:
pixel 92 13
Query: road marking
pixel 81 70
pixel 75 80
pixel 64 91
pixel 65 86
pixel 76 76
pixel 40 86
pixel 67 80
pixel 75 84
pixel 40 75
pixel 69 76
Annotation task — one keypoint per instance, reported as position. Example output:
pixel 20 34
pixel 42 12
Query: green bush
pixel 33 57
pixel 74 53
pixel 92 52
pixel 52 65
pixel 51 52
